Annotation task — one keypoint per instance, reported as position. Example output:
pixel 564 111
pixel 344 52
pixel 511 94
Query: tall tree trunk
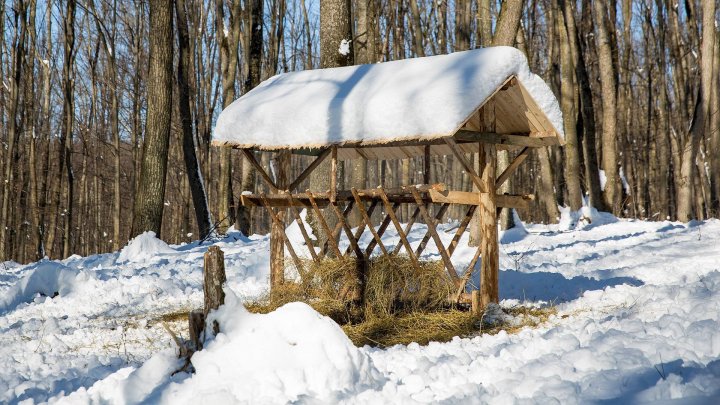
pixel 149 201
pixel 227 41
pixel 701 115
pixel 609 87
pixel 567 103
pixel 192 167
pixel 253 79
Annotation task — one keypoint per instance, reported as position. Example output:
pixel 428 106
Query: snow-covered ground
pixel 638 321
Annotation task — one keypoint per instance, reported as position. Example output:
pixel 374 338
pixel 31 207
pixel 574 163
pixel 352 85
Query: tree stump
pixel 214 279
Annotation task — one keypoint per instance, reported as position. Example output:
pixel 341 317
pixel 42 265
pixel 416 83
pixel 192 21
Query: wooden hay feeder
pixel 301 113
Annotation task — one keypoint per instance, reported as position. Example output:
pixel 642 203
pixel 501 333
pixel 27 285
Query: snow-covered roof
pixel 406 100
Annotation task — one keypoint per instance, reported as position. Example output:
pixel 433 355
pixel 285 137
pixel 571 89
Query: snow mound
pixel 143 248
pixel 584 218
pixel 289 355
pixel 47 278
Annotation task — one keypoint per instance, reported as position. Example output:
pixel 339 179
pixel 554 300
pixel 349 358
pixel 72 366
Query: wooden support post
pixel 426 164
pixel 333 174
pixel 282 236
pixel 213 281
pixel 475 302
pixel 281 163
pixel 488 225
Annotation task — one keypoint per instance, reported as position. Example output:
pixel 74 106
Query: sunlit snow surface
pixel 638 321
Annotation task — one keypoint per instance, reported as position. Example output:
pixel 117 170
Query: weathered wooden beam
pixel 466 277
pixel 473 198
pixel 315 163
pixel 488 225
pixel 258 167
pixel 529 140
pixel 426 164
pixel 512 167
pixel 337 229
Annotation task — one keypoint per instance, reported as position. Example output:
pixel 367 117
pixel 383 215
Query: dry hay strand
pixel 393 285
pixel 418 327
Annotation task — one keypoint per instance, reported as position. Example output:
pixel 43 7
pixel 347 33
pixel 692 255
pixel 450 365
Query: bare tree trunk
pixel 253 79
pixel 149 201
pixel 567 102
pixel 609 85
pixel 701 115
pixel 192 167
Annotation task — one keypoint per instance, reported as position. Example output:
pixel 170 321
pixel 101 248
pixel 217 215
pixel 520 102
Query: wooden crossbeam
pixel 288 244
pixel 512 167
pixel 324 224
pixel 432 228
pixel 458 153
pixel 295 184
pixel 473 198
pixel 431 196
pixel 530 140
pixel 258 167
pixel 299 221
pixel 401 234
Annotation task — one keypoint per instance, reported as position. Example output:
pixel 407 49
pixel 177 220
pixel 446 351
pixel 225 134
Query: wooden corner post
pixel 488 225
pixel 281 166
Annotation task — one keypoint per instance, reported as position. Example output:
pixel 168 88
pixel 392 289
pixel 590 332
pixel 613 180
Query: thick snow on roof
pixel 401 100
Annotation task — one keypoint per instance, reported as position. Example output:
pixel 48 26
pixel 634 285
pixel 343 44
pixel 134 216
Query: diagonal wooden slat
pixel 427 236
pixel 258 167
pixel 295 184
pixel 458 153
pixel 432 224
pixel 338 229
pixel 461 229
pixel 361 227
pixel 512 167
pixel 381 230
pixel 348 231
pixel 393 218
pixel 301 224
pixel 466 276
pixel 324 224
pixel 408 227
pixel 366 219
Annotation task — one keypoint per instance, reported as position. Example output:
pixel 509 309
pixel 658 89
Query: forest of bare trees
pixel 107 107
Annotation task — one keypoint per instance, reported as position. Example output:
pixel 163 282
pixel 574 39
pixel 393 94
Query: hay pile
pixel 401 304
